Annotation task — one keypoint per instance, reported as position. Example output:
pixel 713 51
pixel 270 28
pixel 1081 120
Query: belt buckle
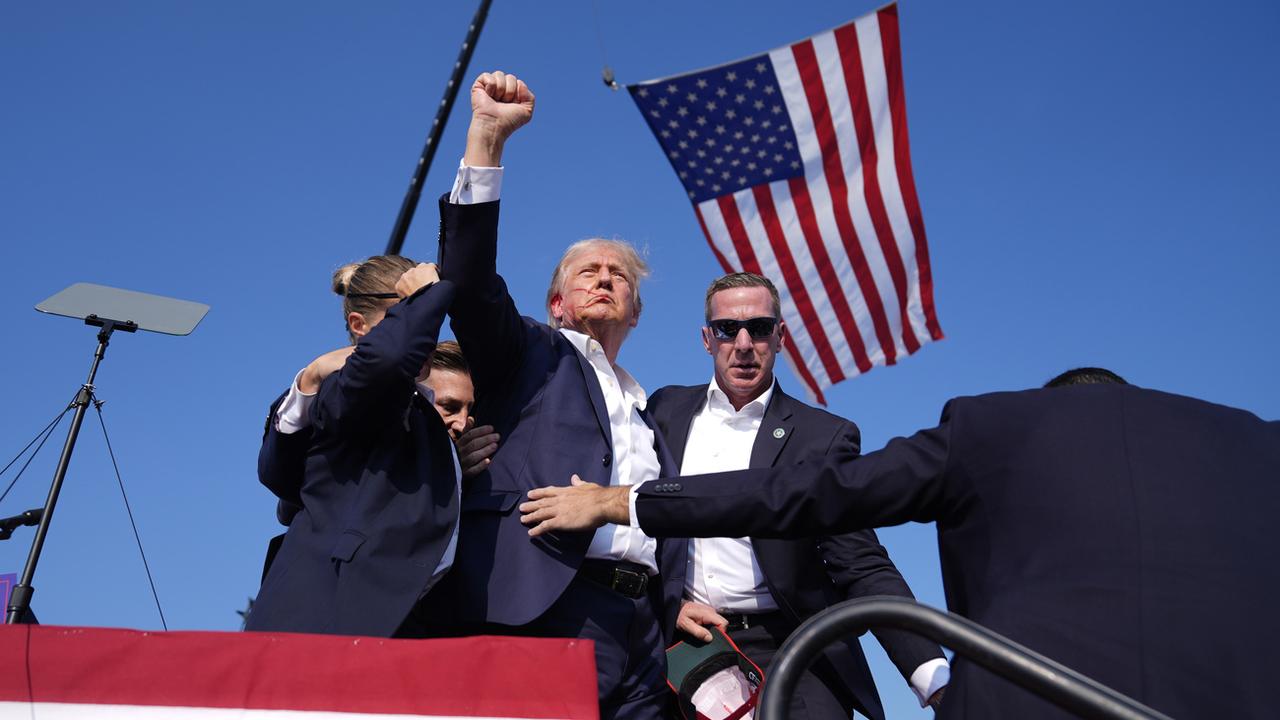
pixel 629 582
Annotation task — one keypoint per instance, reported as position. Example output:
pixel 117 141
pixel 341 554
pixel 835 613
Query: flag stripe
pixel 826 271
pixel 720 258
pixel 782 253
pixel 807 65
pixel 888 20
pixel 871 55
pixel 855 85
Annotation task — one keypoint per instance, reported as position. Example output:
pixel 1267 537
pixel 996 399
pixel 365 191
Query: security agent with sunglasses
pixel 761 589
pixel 561 403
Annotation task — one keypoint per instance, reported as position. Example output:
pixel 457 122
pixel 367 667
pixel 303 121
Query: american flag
pixel 798 168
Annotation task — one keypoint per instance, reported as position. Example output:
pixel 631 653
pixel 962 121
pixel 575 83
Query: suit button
pixel 607 460
pixel 675 487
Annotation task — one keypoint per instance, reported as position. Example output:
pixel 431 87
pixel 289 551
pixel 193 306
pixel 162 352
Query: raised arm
pixel 485 319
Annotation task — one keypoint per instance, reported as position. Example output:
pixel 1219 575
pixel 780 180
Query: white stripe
pixel 820 196
pixel 718 234
pixel 851 161
pixel 759 239
pixel 807 269
pixel 877 83
pixel 92 711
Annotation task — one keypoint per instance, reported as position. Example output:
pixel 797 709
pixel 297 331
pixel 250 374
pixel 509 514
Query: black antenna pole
pixel 410 204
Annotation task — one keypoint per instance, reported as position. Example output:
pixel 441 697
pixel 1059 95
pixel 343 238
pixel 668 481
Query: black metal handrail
pixel 1052 681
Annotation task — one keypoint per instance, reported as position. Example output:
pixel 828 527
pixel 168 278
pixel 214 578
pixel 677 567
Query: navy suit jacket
pixel 543 398
pixel 378 495
pixel 1121 531
pixel 807 575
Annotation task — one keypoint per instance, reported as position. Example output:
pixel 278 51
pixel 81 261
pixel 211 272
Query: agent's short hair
pixel 1086 376
pixel 448 356
pixel 634 265
pixel 742 280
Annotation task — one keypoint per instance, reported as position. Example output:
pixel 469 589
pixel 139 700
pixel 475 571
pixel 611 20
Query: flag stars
pixel 736 162
pixel 673 124
pixel 715 187
pixel 761 154
pixel 701 120
pixel 665 134
pixel 739 98
pixel 777 157
pixel 771 141
pixel 684 145
pixel 711 142
pixel 748 121
pixel 672 89
pixel 643 92
pixel 728 148
pixel 751 166
pixel 765 123
pixel 751 84
pixel 731 76
pixel 759 104
pixel 795 165
pixel 730 114
pixel 776 109
pixel 742 180
pixel 721 92
pixel 693 133
pixel 702 153
pixel 724 175
pixel 789 145
pixel 738 135
pixel 768 89
pixel 662 102
pixel 655 113
pixel 682 111
pixel 761 67
pixel 702 83
pixel 720 130
pixel 691 97
pixel 768 172
pixel 755 138
pixel 711 106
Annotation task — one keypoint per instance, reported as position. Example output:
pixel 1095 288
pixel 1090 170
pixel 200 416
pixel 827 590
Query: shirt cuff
pixel 929 678
pixel 294 412
pixel 631 505
pixel 476 185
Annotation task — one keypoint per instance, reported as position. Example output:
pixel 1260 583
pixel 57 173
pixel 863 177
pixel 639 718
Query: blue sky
pixel 1098 183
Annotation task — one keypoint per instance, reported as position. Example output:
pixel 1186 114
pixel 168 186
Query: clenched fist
pixel 500 105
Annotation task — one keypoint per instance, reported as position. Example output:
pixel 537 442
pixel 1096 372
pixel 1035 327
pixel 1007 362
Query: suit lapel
pixel 682 421
pixel 597 395
pixel 775 431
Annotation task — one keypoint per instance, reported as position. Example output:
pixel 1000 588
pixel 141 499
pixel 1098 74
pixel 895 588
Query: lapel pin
pixel 779 432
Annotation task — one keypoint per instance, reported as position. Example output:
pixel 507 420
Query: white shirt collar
pixel 718 400
pixel 593 351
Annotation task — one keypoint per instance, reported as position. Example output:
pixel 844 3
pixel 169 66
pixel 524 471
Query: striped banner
pixel 67 672
pixel 798 167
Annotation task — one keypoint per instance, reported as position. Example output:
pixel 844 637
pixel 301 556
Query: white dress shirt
pixel 294 415
pixel 724 572
pixel 634 458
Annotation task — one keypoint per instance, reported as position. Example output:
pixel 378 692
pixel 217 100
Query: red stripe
pixel 724 262
pixel 827 271
pixel 811 79
pixel 738 234
pixel 856 85
pixel 477 676
pixel 888 19
pixel 795 284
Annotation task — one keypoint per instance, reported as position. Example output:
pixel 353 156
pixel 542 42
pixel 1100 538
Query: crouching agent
pixel 377 502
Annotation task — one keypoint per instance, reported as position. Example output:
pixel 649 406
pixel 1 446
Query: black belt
pixel 625 578
pixel 739 621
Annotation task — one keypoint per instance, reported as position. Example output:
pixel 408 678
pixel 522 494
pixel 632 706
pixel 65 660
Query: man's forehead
pixel 752 297
pixel 596 255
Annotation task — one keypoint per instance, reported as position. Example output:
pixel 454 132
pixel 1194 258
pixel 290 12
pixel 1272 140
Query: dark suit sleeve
pixel 385 363
pixel 484 318
pixel 281 464
pixel 842 493
pixel 859 566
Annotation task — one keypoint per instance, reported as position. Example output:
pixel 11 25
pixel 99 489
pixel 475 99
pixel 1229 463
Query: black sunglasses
pixel 758 328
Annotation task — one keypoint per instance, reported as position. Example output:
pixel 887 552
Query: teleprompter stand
pixel 108 309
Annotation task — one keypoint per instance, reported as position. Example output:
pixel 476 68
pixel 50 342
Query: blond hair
pixel 634 265
pixel 377 274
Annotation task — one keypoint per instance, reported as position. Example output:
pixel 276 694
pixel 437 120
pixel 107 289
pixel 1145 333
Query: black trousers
pixel 820 695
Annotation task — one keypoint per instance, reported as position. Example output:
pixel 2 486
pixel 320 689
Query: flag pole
pixel 410 203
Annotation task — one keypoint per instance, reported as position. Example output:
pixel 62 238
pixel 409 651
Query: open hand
pixel 581 506
pixel 322 367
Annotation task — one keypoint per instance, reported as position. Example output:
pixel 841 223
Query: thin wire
pixel 97 405
pixel 46 432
